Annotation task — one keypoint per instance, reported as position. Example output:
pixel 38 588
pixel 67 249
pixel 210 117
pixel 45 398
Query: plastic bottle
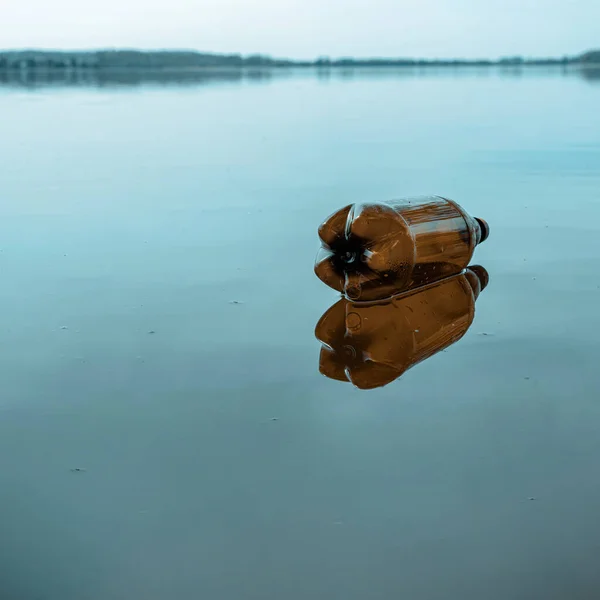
pixel 372 251
pixel 371 344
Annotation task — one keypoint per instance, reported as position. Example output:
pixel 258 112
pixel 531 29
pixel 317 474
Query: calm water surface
pixel 157 315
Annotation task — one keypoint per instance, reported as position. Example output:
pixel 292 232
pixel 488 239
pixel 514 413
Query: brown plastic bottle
pixel 372 251
pixel 371 344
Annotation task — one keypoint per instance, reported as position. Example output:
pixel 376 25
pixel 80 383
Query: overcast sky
pixel 307 28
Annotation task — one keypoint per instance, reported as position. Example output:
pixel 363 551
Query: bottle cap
pixel 485 229
pixel 478 278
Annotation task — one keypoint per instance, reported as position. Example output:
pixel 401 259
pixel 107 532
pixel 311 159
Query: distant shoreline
pixel 179 61
pixel 232 69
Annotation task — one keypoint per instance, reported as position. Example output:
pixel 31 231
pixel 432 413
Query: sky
pixel 309 28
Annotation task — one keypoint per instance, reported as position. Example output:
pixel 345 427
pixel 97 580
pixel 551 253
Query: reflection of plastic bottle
pixel 373 343
pixel 372 251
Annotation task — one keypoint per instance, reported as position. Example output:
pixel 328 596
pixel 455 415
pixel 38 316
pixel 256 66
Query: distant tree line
pixel 592 57
pixel 134 59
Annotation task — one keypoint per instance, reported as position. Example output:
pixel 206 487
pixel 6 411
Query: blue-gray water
pixel 126 210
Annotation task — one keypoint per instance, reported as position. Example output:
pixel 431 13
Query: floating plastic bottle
pixel 371 344
pixel 372 251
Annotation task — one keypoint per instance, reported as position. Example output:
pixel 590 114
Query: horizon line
pixel 319 57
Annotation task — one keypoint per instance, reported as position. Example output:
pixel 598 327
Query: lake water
pixel 157 319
